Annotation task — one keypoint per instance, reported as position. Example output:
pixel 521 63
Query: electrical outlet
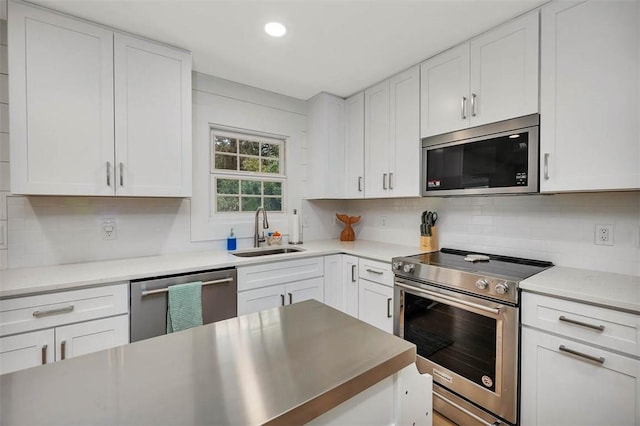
pixel 108 229
pixel 604 235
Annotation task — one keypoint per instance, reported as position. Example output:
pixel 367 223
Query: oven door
pixel 469 345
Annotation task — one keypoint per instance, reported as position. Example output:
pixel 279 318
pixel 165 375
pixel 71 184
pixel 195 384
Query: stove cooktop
pixel 496 278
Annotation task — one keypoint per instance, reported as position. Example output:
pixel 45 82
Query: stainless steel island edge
pixel 281 366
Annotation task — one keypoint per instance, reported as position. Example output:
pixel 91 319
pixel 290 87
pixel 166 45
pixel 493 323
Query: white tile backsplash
pixel 559 228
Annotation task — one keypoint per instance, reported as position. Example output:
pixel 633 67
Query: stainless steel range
pixel 461 311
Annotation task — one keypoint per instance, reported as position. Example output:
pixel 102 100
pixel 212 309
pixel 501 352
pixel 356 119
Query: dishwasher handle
pixel 166 289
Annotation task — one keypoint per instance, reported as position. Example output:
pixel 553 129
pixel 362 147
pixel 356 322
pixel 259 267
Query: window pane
pixel 250 204
pixel 226 162
pixel 249 164
pixel 227 204
pixel 251 187
pixel 249 148
pixel 224 144
pixel 270 150
pixel 227 186
pixel 273 188
pixel 270 166
pixel 273 204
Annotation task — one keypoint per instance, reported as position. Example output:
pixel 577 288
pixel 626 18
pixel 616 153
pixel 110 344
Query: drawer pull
pixel 63 349
pixel 580 323
pixel 373 271
pixel 44 354
pixel 56 311
pixel 598 359
pixel 353 273
pixel 282 299
pixel 389 307
pixel 290 298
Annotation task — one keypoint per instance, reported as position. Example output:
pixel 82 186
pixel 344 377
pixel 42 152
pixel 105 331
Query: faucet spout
pixel 257 239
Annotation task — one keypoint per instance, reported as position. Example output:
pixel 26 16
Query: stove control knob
pixel 397 266
pixel 408 268
pixel 502 288
pixel 482 283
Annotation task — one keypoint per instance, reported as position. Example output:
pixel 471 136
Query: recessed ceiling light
pixel 275 29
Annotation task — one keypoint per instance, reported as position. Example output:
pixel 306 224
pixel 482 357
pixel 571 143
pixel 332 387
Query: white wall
pixel 559 228
pixel 4 136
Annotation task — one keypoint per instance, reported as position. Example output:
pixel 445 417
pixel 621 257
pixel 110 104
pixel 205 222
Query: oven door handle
pixel 444 298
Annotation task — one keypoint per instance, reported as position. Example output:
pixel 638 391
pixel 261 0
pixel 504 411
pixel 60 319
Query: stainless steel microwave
pixel 497 158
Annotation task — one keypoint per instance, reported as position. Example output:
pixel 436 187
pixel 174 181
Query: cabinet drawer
pixel 250 277
pixel 50 310
pixel 592 324
pixel 372 270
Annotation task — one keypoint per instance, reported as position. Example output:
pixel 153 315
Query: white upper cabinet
pixel 354 146
pixel 325 147
pixel 61 109
pixel 392 136
pixel 493 77
pixel 589 130
pixel 153 122
pixel 64 110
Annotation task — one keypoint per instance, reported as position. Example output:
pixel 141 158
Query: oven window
pixel 458 340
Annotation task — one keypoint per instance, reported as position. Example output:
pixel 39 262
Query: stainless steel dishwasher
pixel 148 313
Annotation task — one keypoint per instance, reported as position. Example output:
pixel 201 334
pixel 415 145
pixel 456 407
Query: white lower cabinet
pixel 580 364
pixel 276 284
pixel 375 305
pixel 41 329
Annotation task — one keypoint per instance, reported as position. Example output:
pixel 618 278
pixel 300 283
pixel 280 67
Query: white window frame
pixel 245 175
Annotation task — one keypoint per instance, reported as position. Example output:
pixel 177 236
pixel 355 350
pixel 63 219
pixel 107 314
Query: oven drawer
pixel 53 309
pixel 378 272
pixel 591 324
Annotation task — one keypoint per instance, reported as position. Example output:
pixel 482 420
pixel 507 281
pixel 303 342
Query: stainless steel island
pixel 281 366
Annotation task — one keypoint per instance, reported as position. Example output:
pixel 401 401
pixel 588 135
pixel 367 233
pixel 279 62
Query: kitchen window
pixel 247 171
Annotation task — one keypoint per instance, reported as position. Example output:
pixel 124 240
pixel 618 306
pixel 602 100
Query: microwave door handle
pixel 444 298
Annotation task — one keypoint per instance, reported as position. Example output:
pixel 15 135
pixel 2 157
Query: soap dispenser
pixel 231 241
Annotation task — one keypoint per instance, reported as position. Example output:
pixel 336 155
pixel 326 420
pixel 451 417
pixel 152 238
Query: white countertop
pixel 23 281
pixel 601 288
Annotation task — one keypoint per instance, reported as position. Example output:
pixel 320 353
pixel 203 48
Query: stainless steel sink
pixel 266 252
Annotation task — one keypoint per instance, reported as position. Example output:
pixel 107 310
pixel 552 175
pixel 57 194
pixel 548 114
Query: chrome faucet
pixel 265 224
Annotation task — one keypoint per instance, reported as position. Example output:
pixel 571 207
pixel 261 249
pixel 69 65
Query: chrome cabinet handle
pixel 353 273
pixel 444 299
pixel 598 359
pixel 359 183
pixel 55 311
pixel 44 354
pixel 546 166
pixel 121 174
pixel 63 349
pixel 108 173
pixel 473 104
pixel 290 298
pixel 384 181
pixel 389 307
pixel 463 104
pixel 373 271
pixel 391 180
pixel 282 299
pixel 580 323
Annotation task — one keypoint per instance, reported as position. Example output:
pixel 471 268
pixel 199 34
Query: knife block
pixel 430 243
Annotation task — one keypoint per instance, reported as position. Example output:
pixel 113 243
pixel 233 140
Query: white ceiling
pixel 334 46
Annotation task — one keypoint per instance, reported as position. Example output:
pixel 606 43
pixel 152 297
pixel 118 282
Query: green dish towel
pixel 184 306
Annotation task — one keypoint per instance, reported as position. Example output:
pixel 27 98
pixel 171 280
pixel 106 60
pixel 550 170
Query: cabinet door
pixel 305 290
pixel 333 292
pixel 354 146
pixel 504 71
pixel 61 90
pixel 251 301
pixel 444 92
pixel 376 140
pixel 350 284
pixel 404 155
pixel 91 336
pixel 559 388
pixel 589 133
pixel 26 350
pixel 153 119
pixel 375 305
